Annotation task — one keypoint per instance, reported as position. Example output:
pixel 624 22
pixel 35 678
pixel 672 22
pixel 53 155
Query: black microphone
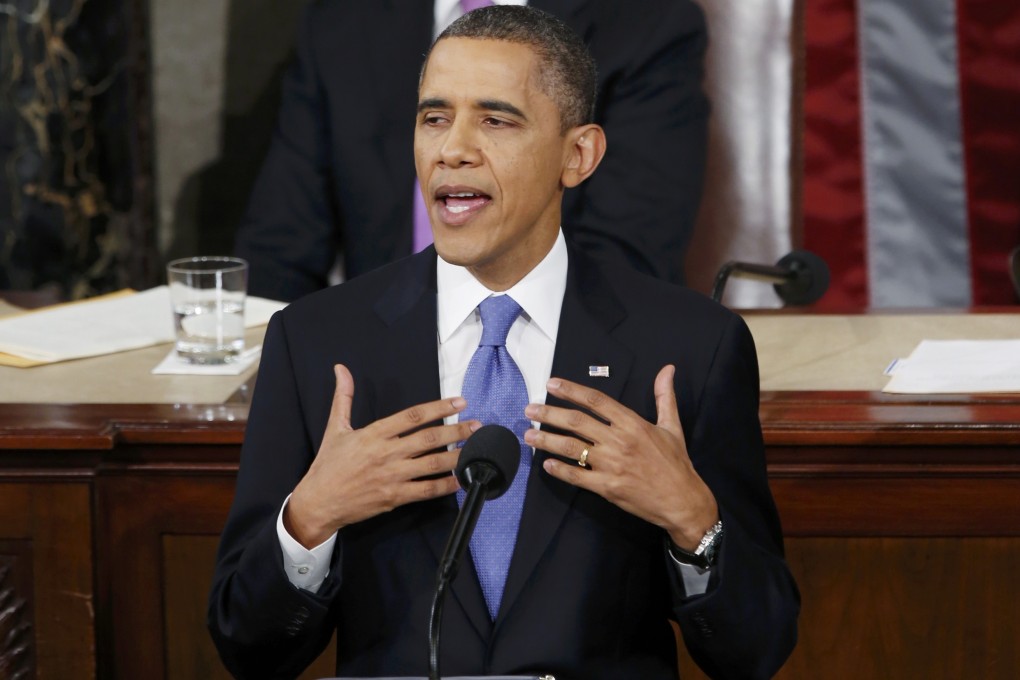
pixel 486 468
pixel 799 278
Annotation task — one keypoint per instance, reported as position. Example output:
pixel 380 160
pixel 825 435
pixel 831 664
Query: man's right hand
pixel 358 474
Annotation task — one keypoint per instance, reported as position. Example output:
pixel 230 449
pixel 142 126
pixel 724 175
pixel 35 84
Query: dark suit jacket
pixel 590 589
pixel 340 169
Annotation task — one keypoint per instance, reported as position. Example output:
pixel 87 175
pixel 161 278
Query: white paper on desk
pixel 958 366
pixel 105 326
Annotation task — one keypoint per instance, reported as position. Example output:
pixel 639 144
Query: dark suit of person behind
pixel 339 172
pixel 673 432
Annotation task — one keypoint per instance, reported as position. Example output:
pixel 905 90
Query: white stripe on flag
pixel 918 251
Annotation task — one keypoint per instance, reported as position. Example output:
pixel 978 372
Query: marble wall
pixel 67 154
pixel 130 133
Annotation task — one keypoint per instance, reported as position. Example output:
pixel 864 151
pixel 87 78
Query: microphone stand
pixel 799 278
pixel 478 477
pixel 762 272
pixel 435 622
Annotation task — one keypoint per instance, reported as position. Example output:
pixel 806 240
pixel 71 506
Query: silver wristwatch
pixel 704 556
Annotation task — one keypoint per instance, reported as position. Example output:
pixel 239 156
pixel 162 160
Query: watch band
pixel 704 556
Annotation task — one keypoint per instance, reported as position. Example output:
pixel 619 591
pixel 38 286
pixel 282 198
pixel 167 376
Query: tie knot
pixel 498 314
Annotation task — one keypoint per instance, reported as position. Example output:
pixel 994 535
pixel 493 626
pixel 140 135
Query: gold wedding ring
pixel 583 460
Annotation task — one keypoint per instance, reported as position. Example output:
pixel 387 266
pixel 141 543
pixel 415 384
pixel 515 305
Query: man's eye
pixel 497 122
pixel 433 119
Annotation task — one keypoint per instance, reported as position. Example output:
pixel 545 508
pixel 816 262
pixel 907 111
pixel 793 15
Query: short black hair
pixel 567 69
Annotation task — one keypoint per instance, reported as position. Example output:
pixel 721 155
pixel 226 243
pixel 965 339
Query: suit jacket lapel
pixel 410 375
pixel 408 372
pixel 590 312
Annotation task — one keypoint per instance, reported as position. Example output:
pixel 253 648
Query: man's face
pixel 490 158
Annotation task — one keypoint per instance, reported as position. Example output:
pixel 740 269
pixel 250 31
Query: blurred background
pixel 884 140
pixel 130 133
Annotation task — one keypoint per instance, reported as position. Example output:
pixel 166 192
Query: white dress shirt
pixel 532 337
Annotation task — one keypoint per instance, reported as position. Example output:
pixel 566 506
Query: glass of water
pixel 207 295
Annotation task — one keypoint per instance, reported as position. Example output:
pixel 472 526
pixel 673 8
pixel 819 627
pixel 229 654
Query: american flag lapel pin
pixel 598 371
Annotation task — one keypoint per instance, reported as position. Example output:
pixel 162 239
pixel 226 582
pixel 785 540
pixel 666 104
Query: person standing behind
pixel 342 140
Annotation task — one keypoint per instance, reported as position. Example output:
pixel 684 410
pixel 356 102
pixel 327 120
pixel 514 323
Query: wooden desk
pixel 901 517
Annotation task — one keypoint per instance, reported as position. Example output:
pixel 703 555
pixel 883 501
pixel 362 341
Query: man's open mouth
pixel 459 203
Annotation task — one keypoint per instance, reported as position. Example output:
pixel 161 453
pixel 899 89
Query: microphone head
pixel 810 278
pixel 491 454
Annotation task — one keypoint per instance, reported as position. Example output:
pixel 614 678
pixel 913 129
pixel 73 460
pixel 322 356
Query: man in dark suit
pixel 647 498
pixel 340 175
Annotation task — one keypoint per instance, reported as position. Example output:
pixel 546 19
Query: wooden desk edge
pixel 789 419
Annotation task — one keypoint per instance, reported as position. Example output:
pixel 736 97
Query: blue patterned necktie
pixel 496 393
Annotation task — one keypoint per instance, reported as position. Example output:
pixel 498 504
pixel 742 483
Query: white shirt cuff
pixel 306 569
pixel 695 578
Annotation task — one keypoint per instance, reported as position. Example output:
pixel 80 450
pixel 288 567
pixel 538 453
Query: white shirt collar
pixel 445 12
pixel 539 293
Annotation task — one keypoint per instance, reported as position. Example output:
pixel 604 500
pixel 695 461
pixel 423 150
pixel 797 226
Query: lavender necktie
pixel 470 5
pixel 496 393
pixel 422 234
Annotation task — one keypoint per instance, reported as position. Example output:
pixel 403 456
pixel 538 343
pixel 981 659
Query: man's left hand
pixel 639 466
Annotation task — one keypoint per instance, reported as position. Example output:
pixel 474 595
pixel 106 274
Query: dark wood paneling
pixel 937 608
pixel 977 505
pixel 17 638
pixel 52 523
pixel 899 512
pixel 160 528
pixel 187 573
pixel 134 513
pixel 188 563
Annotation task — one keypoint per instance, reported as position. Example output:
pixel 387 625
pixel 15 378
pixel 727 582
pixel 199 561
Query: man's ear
pixel 584 147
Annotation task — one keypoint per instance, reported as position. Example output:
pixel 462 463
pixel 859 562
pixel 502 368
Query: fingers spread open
pixel 568 447
pixel 590 399
pixel 583 478
pixel 425 489
pixel 436 437
pixel 415 416
pixel 431 464
pixel 570 419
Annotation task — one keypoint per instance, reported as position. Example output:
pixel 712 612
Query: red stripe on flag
pixel 833 186
pixel 989 59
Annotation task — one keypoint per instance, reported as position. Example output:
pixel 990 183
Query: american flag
pixel 912 149
pixel 907 140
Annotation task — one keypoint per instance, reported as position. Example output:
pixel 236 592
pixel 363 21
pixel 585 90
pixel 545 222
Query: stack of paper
pixel 105 325
pixel 958 366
